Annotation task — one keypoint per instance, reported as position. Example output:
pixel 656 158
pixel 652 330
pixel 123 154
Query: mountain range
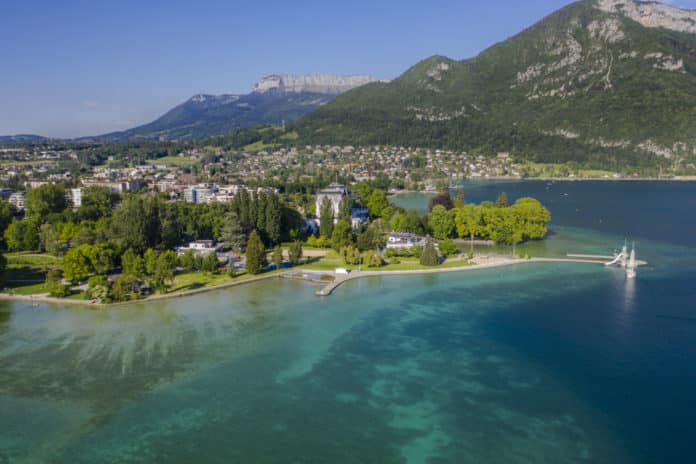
pixel 602 79
pixel 275 99
pixel 21 138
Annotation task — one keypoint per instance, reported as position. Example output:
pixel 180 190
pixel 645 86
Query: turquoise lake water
pixel 532 363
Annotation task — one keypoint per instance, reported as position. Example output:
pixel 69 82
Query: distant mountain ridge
pixel 597 79
pixel 21 138
pixel 276 98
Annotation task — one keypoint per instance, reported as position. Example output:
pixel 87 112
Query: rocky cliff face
pixel 652 14
pixel 329 84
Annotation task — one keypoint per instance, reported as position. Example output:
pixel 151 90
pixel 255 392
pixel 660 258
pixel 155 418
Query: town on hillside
pixel 113 232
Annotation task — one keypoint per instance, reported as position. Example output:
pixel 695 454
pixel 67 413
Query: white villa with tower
pixel 336 193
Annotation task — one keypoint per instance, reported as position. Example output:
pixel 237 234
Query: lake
pixel 532 363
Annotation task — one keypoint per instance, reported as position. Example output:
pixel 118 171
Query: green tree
pixel 44 200
pixel 188 260
pixel 232 234
pixel 164 270
pixel 150 261
pixel 210 263
pixel 408 222
pixel 378 204
pixel 468 221
pixel 295 252
pixel 351 255
pixel 345 209
pixel 442 199
pixel 50 239
pixel 374 259
pixel 441 222
pixel 54 284
pixel 22 235
pixel 534 217
pixel 255 254
pixel 502 200
pixel 136 223
pixel 3 266
pixel 429 256
pixel 363 189
pixel 342 235
pixel 125 288
pixel 447 247
pixel 99 288
pixel 326 218
pixel 273 218
pixel 101 257
pixel 132 263
pixel 77 265
pixel 278 257
pixel 459 200
pixel 6 215
pixel 85 235
pixel 97 202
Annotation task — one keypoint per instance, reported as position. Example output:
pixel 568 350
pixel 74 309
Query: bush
pixel 210 263
pixel 54 284
pixel 278 257
pixel 447 247
pixel 99 288
pixel 295 252
pixel 374 259
pixel 318 242
pixel 351 255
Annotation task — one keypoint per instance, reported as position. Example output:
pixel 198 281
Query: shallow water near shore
pixel 529 363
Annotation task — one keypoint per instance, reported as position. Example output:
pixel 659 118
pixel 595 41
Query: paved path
pixel 496 262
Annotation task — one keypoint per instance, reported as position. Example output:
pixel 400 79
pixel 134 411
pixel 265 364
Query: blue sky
pixel 71 68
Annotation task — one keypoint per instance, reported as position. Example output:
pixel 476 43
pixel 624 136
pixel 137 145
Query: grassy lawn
pixel 403 265
pixel 595 173
pixel 28 258
pixel 77 296
pixel 257 146
pixel 27 163
pixel 174 161
pixel 290 136
pixel 24 280
pixel 195 280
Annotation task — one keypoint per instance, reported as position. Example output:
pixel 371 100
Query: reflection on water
pixel 532 363
pixel 630 295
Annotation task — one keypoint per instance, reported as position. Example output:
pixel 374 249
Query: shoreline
pixel 44 298
pixel 325 291
pixel 548 179
pixel 503 262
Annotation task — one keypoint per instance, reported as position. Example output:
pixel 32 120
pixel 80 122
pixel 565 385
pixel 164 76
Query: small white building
pixel 74 197
pixel 199 247
pixel 198 194
pixel 404 240
pixel 17 200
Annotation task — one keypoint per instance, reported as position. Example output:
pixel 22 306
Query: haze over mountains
pixel 276 98
pixel 598 78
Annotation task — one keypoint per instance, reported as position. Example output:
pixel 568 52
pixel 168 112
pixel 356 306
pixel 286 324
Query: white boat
pixel 631 266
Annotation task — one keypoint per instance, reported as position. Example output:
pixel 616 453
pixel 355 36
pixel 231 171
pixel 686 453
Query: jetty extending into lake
pixel 490 263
